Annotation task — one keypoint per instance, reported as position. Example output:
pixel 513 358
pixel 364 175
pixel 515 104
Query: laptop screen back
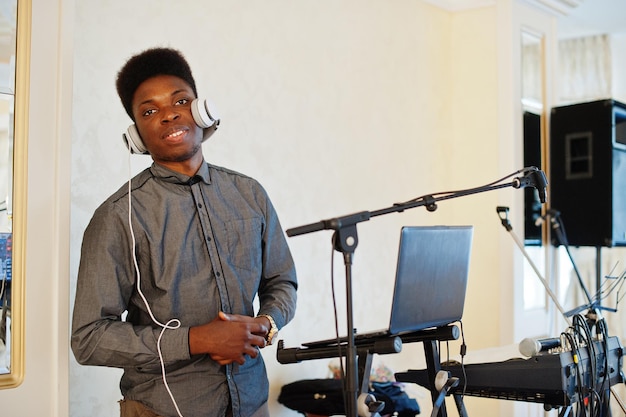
pixel 431 277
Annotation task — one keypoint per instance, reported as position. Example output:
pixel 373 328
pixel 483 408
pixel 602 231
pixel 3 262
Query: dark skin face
pixel 162 109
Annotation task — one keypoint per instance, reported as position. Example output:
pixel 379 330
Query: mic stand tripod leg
pixel 443 392
pixel 365 368
pixel 433 366
pixel 565 411
pixel 369 401
pixel 460 406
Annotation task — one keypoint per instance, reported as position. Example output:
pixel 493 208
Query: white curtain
pixel 584 70
pixel 532 85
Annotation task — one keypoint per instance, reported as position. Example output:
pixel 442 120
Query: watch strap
pixel 273 330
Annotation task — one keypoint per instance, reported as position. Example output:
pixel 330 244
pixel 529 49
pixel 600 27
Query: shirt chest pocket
pixel 245 243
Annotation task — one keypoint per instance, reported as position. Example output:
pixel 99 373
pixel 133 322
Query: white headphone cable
pixel 172 323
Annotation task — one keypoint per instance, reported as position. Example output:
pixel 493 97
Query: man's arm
pixel 278 289
pixel 105 285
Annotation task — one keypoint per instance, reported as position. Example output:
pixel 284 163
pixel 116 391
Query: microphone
pixel 531 347
pixel 535 178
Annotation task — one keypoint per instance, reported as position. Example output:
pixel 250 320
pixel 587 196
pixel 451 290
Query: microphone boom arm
pixel 533 178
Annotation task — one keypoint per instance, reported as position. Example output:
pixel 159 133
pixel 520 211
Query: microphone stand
pixel 345 240
pixel 557 226
pixel 502 213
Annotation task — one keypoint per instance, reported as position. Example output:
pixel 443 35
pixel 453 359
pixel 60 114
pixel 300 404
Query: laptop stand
pixel 383 346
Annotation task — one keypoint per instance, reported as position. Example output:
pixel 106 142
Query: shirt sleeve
pixel 277 292
pixel 106 282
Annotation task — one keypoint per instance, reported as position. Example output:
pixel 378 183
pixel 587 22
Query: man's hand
pixel 265 323
pixel 229 338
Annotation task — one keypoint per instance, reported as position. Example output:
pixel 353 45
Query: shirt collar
pixel 174 177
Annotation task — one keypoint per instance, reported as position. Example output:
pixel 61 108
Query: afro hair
pixel 148 64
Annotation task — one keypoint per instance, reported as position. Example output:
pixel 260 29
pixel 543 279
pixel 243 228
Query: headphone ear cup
pixel 208 132
pixel 204 114
pixel 133 141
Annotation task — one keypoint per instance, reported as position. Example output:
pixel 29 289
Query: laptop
pixel 430 284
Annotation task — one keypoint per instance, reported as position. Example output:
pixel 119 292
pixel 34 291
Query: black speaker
pixel 588 171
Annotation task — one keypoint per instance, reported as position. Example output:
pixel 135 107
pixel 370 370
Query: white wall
pixel 335 107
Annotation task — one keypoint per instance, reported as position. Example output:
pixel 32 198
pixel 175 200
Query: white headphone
pixel 204 117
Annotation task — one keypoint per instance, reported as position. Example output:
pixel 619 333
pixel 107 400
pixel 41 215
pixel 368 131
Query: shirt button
pixel 217 274
pixel 199 205
pixel 208 239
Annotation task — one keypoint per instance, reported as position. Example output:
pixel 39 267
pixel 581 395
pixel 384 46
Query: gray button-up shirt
pixel 203 244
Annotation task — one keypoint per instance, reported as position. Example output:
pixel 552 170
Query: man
pixel 185 258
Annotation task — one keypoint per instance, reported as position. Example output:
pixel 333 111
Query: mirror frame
pixel 20 187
